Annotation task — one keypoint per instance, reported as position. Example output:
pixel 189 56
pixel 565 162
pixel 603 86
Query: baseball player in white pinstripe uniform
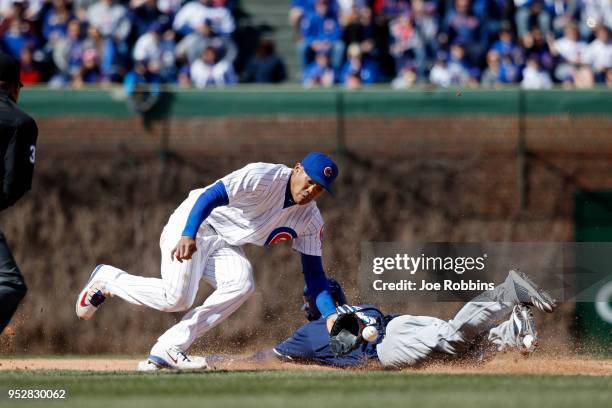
pixel 260 204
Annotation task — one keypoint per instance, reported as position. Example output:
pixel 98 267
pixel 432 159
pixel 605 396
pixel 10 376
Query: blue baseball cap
pixel 321 169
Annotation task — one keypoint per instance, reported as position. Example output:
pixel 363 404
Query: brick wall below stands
pixel 101 195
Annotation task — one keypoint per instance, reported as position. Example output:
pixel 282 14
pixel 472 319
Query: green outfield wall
pixel 241 101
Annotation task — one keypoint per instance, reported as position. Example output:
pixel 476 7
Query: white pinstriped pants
pixel 223 266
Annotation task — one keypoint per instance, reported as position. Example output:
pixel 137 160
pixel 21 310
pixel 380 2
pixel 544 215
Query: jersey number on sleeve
pixel 32 154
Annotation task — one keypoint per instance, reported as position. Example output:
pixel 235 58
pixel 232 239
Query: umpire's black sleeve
pixel 19 159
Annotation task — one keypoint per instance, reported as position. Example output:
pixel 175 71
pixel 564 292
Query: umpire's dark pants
pixel 12 286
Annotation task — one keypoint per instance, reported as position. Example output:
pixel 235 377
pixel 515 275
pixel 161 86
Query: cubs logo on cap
pixel 321 168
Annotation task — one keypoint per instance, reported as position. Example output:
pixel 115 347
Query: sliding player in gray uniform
pixel 260 204
pixel 411 340
pixel 498 319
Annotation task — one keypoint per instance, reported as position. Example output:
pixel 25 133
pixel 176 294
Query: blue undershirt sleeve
pixel 214 196
pixel 317 284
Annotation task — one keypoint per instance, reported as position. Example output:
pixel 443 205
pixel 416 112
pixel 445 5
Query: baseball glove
pixel 345 334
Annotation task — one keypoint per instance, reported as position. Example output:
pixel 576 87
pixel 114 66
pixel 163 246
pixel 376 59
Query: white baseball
pixel 528 341
pixel 369 333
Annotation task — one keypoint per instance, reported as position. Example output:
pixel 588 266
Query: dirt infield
pixel 502 364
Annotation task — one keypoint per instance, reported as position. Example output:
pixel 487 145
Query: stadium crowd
pixel 72 43
pixel 491 43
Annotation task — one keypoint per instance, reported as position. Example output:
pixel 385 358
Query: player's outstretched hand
pixel 185 248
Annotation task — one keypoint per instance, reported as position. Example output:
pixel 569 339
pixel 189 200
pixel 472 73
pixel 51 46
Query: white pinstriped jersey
pixel 255 213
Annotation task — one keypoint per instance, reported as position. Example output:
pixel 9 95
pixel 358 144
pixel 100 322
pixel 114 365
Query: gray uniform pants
pixel 412 340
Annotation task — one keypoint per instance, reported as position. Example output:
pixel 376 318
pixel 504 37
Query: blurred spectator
pixel 581 77
pixel 89 72
pixel 111 19
pixel 320 72
pixel 440 74
pixel 361 29
pixel 506 46
pixel 491 78
pixel 34 9
pixel 352 81
pixel 346 7
pixel 598 53
pixel 169 7
pixel 300 8
pixel 570 50
pixel 8 10
pixel 68 55
pixel 30 8
pixel 530 13
pixel 426 24
pixel 357 70
pixel 296 12
pixel 191 47
pixel 157 48
pixel 14 9
pixel 193 14
pixel 80 7
pixel 55 24
pixel 144 73
pixel 510 57
pixel 265 67
pixel 594 12
pixel 493 14
pixel 608 80
pixel 322 33
pixel 144 14
pixel 18 36
pixel 461 24
pixel 30 74
pixel 534 43
pixel 473 77
pixel 104 64
pixel 458 64
pixel 406 43
pixel 209 71
pixel 6 7
pixel 564 12
pixel 509 71
pixel 184 80
pixel 406 78
pixel 534 77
